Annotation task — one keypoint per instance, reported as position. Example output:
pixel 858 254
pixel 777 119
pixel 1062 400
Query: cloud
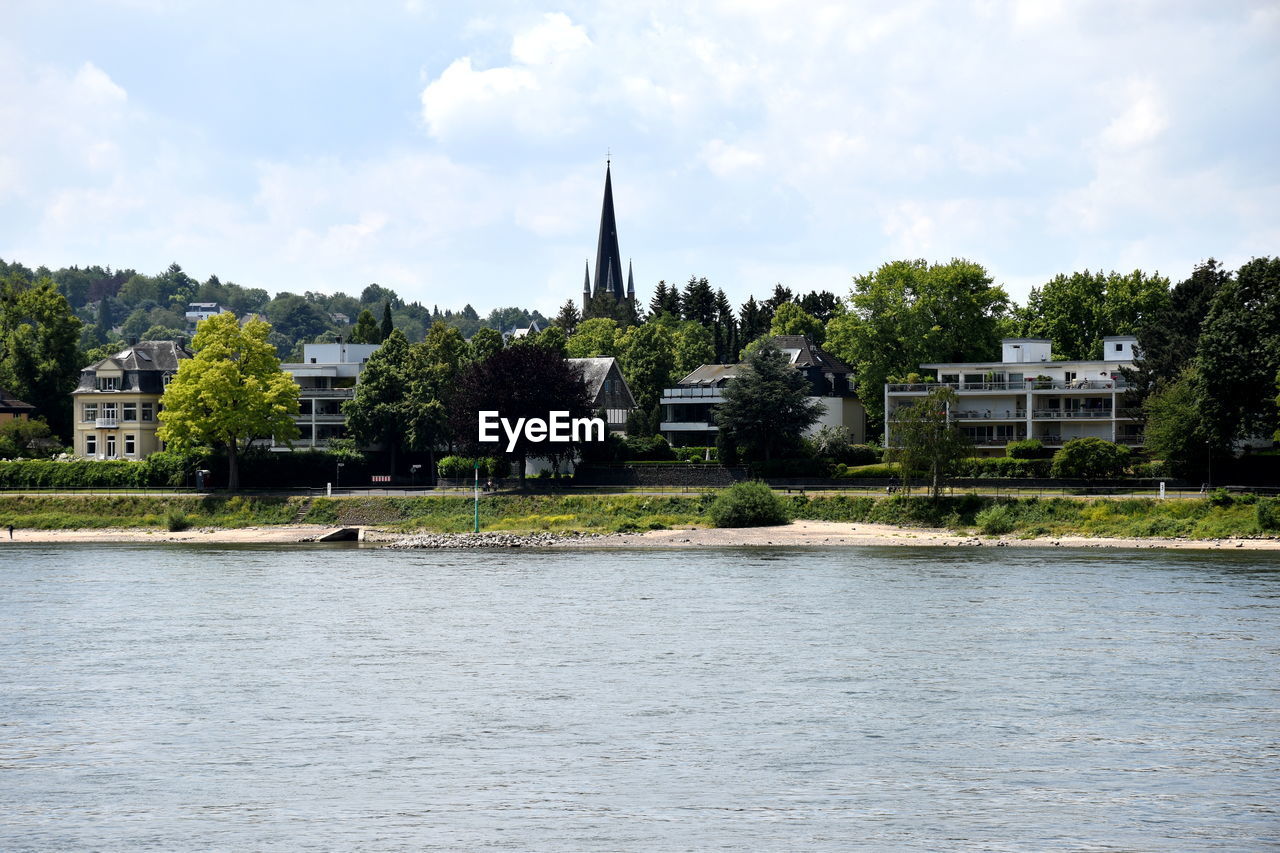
pixel 549 41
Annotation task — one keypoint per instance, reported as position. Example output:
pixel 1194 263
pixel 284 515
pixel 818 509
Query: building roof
pixel 145 358
pixel 711 374
pixel 11 405
pixel 809 354
pixel 594 373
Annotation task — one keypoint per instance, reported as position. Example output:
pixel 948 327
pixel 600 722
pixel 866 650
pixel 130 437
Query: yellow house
pixel 118 401
pixel 12 409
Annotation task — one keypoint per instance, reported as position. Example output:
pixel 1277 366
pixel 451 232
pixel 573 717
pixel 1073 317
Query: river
pixel 175 698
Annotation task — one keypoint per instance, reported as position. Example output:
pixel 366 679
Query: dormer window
pixel 108 383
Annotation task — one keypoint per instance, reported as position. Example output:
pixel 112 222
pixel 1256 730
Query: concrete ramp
pixel 342 534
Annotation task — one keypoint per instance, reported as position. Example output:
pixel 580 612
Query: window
pixel 1119 347
pixel 108 383
pixel 148 411
pixel 90 445
pixel 1069 375
pixel 168 377
pixel 109 410
pixel 90 412
pixel 111 447
pixel 129 411
pixel 130 446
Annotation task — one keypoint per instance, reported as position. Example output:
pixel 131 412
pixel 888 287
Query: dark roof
pixel 144 361
pixel 594 373
pixel 807 355
pixel 11 405
pixel 810 354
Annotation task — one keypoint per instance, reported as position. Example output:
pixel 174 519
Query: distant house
pixel 11 408
pixel 688 409
pixel 117 403
pixel 517 334
pixel 198 311
pixel 327 377
pixel 608 390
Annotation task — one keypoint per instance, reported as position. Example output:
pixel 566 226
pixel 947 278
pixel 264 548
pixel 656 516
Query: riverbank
pixel 796 534
pixel 1136 522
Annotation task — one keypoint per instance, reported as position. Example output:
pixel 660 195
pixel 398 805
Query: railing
pixel 1071 413
pixel 988 414
pixel 106 423
pixel 318 393
pixel 677 426
pixel 1025 385
pixel 692 391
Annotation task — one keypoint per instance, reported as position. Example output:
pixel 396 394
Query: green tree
pixel 646 357
pixel 387 325
pixel 431 375
pixel 377 414
pixel 162 333
pixel 791 319
pixel 484 343
pixel 1168 337
pixel 231 392
pixel 752 322
pixel 1090 459
pixel 666 300
pixel 695 345
pixel 595 338
pixel 568 318
pixel 27 438
pixel 698 302
pixel 365 330
pixel 908 313
pixel 1238 354
pixel 1077 311
pixel 922 438
pixel 1174 430
pixel 766 406
pixel 40 356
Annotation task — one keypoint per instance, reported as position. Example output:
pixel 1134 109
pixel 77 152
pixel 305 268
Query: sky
pixel 456 151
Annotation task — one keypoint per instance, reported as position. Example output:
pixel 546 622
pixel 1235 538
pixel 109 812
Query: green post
pixel 477 493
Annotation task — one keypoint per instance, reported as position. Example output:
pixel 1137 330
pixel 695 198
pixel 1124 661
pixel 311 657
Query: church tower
pixel 608 273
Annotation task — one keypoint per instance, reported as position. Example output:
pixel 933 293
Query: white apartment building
pixel 1029 395
pixel 327 376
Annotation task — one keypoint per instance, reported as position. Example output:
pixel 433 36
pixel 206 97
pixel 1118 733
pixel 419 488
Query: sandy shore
pixel 799 533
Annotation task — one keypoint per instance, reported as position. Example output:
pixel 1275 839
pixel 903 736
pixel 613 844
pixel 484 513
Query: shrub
pixel 654 449
pixel 1151 470
pixel 836 444
pixel 176 520
pixel 1027 448
pixel 1220 497
pixel 1004 467
pixel 1090 459
pixel 995 519
pixel 748 504
pixel 1268 513
pixel 462 467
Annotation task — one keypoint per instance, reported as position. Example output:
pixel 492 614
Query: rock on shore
pixel 492 539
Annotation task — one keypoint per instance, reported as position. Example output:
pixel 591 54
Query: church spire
pixel 631 283
pixel 608 260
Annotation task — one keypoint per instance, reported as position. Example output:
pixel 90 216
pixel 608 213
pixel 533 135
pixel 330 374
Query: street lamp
pixel 337 475
pixel 413 476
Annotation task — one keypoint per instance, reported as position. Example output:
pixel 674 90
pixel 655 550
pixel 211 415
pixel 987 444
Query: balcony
pixel 1031 384
pixel 1059 414
pixel 988 414
pixel 106 423
pixel 327 393
pixel 685 426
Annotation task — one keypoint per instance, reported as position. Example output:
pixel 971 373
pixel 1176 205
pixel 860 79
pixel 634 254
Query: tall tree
pixel 911 312
pixel 1077 311
pixel 766 407
pixel 1239 354
pixel 646 356
pixel 1169 337
pixel 484 343
pixel 518 382
pixel 568 318
pixel 753 322
pixel 726 330
pixel 431 377
pixel 791 319
pixel 1174 430
pixel 230 393
pixel 377 414
pixel 694 346
pixel 922 438
pixel 387 326
pixel 366 330
pixel 666 300
pixel 698 302
pixel 40 356
pixel 821 304
pixel 596 337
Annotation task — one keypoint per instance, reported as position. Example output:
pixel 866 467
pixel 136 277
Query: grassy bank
pixel 1023 517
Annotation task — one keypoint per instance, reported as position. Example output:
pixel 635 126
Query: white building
pixel 327 376
pixel 198 311
pixel 1029 395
